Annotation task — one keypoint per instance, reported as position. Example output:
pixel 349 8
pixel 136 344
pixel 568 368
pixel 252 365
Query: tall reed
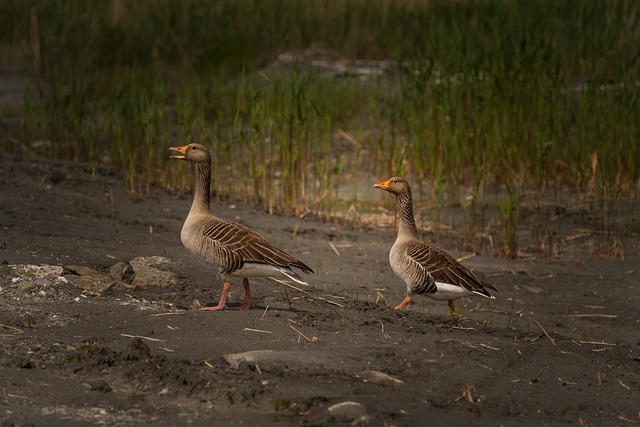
pixel 493 94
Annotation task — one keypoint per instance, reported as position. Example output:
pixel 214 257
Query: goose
pixel 424 267
pixel 236 250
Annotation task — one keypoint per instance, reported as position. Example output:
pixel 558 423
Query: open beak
pixel 182 150
pixel 382 185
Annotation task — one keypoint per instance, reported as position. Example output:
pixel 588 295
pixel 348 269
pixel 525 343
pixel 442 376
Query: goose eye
pixel 395 181
pixel 193 147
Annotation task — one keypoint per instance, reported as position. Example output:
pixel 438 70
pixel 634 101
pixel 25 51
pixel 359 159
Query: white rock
pixel 37 271
pixel 254 356
pixel 378 377
pixel 352 412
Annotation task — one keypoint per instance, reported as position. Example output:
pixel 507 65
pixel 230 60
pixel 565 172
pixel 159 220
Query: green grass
pixel 516 94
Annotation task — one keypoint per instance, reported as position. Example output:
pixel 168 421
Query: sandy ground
pixel 70 356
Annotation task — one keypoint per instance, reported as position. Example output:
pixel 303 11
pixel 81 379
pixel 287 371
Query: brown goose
pixel 424 267
pixel 236 250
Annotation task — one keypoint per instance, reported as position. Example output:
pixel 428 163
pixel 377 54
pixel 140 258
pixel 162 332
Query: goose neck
pixel 202 191
pixel 407 222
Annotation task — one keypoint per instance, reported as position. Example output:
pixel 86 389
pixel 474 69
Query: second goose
pixel 424 267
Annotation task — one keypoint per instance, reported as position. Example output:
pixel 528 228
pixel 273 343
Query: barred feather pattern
pixel 407 221
pixel 229 245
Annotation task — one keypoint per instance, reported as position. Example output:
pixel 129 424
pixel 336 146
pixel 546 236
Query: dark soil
pixel 146 355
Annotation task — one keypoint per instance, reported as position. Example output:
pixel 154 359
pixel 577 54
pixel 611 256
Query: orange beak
pixel 182 150
pixel 382 185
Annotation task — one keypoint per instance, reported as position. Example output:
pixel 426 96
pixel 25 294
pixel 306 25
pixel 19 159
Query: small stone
pixel 89 279
pixel 378 377
pixel 148 273
pixel 351 412
pixel 83 270
pixel 234 360
pixel 121 271
pixel 26 286
pixel 138 350
pixel 101 386
pixel 42 282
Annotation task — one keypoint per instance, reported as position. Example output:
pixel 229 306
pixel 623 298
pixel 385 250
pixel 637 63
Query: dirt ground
pixel 137 355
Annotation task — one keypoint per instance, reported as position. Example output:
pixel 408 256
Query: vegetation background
pixel 519 112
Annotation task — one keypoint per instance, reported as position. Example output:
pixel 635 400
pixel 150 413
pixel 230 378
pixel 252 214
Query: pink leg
pixel 247 297
pixel 222 304
pixel 404 302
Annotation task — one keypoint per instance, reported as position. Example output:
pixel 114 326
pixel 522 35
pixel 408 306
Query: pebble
pixel 348 411
pixel 148 272
pixel 26 286
pixel 378 377
pixel 42 282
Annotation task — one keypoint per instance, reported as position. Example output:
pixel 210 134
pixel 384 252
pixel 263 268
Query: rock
pixel 91 284
pixel 138 350
pixel 351 412
pixel 122 271
pixel 26 286
pixel 267 359
pixel 83 270
pixel 44 271
pixel 254 356
pixel 89 279
pixel 148 273
pixel 378 377
pixel 100 385
pixel 42 282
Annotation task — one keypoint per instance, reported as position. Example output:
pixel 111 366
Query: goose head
pixel 396 185
pixel 193 152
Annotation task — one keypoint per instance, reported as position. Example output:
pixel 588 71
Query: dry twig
pixel 545 332
pixel 257 330
pixel 314 339
pixel 141 337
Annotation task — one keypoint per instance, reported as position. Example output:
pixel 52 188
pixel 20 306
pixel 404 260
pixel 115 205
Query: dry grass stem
pixel 628 420
pixel 545 332
pixel 463 328
pixel 257 330
pixel 141 337
pixel 314 339
pixel 334 248
pixel 13 328
pixel 307 293
pixel 623 385
pixel 596 343
pixel 172 313
pixel 466 257
pixel 467 393
pixel 606 316
pixel 489 347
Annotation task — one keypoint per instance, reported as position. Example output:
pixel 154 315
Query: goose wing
pixel 238 244
pixel 416 272
pixel 445 268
